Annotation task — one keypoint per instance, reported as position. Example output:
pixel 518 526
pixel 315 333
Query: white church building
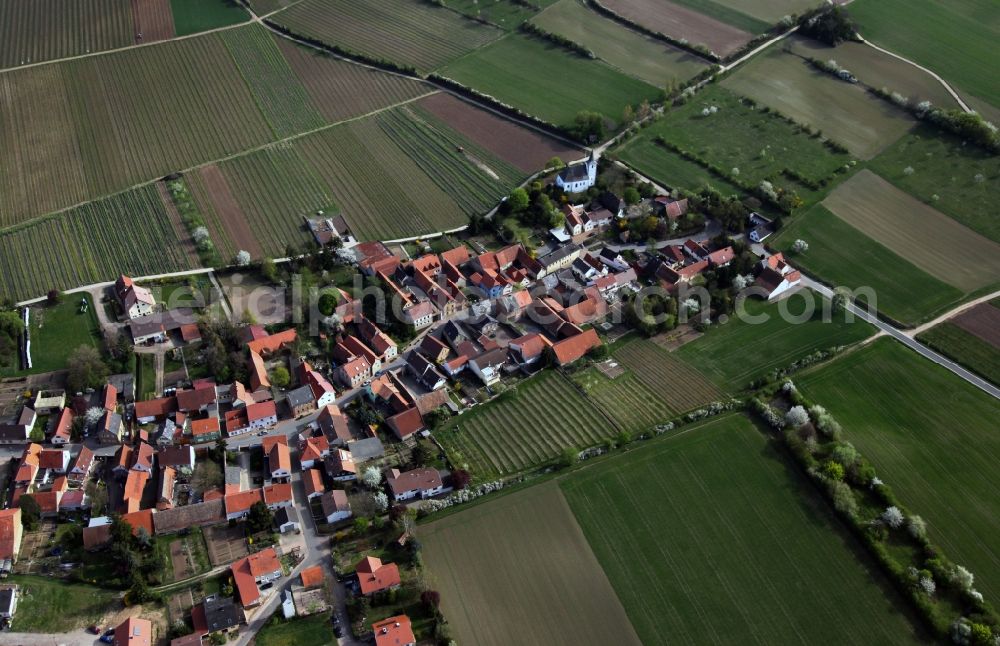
pixel 578 177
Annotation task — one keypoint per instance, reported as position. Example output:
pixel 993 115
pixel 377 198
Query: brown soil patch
pixel 982 321
pixel 676 338
pixel 228 209
pixel 525 149
pixel 682 23
pixel 186 243
pixel 225 544
pixel 180 560
pixel 611 369
pixel 153 19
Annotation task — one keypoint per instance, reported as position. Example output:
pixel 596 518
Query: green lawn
pixel 307 630
pixel 965 348
pixel 56 332
pixel 842 255
pixel 670 169
pixel 145 376
pixel 193 16
pixel 53 606
pixel 711 536
pixel 956 39
pixel 547 81
pixel 966 179
pixel 932 437
pixel 735 353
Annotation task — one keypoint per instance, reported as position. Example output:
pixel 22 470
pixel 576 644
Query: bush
pixel 796 416
pixel 833 470
pixel 893 517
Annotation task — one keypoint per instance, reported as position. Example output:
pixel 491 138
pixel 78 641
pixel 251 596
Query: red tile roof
pixel 246 584
pixel 406 423
pixel 264 562
pixel 134 632
pixel 373 575
pixel 277 493
pixel 272 343
pixel 205 426
pixel 52 459
pixel 312 479
pixel 394 631
pixel 313 577
pixel 261 410
pixel 276 449
pixel 331 419
pixel 64 426
pixel 570 349
pixel 10 521
pixel 242 502
pixel 156 407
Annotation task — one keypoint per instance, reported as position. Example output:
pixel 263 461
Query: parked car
pixel 108 638
pixel 93 629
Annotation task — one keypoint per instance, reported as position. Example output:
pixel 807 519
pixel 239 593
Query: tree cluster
pixel 831 27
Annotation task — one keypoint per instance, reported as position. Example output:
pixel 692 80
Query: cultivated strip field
pixel 32 31
pixel 932 437
pixel 735 353
pixel 221 212
pixel 680 22
pixel 972 338
pixel 767 11
pixel 505 13
pixel 843 256
pixel 548 81
pixel 669 379
pixel 342 90
pixel 876 69
pixel 711 537
pixel 518 570
pixel 959 179
pixel 405 32
pixel 92 243
pixel 635 54
pixel 916 231
pixel 283 100
pixel 520 147
pixel 956 39
pixel 846 113
pixel 670 169
pixel 154 19
pixel 542 417
pixel 625 399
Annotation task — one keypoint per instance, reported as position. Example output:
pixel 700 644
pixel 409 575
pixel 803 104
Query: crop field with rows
pixel 625 399
pixel 675 382
pixel 530 426
pixel 92 243
pixel 406 32
pixel 32 31
pixel 283 100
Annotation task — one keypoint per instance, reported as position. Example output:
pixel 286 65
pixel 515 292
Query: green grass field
pixel 956 39
pixel 670 169
pixel 711 536
pixel 306 630
pixel 756 142
pixel 530 426
pixel 735 353
pixel 845 113
pixel 965 348
pixel 547 81
pixel 633 53
pixel 58 330
pixel 47 605
pixel 192 16
pixel 843 256
pixel 931 436
pixel 964 178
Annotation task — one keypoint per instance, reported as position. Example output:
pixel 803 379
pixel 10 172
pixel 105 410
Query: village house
pixel 312 450
pixel 10 537
pixel 417 483
pixel 63 432
pixel 335 506
pixel 425 372
pixel 419 315
pixel 253 571
pixel 110 429
pixel 323 393
pixel 80 471
pixel 434 349
pixel 136 301
pixel 48 402
pixel 761 227
pixel 334 425
pixel 394 631
pixel 354 372
pixel 277 496
pixel 406 423
pixel 668 207
pixel 205 430
pixel 776 277
pixel 134 632
pixel 340 466
pixel 379 342
pixel 488 366
pixel 301 402
pixel 279 461
pixel 312 482
pixel 374 257
pixel 375 576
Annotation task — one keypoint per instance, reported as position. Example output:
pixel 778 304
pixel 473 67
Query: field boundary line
pixel 962 104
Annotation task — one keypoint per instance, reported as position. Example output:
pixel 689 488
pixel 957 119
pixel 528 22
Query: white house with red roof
pixel 137 301
pixel 776 277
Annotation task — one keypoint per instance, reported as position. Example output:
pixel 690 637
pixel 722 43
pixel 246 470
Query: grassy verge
pixel 54 606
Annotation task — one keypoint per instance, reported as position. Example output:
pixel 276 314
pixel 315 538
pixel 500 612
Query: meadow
pixel 956 39
pixel 931 436
pixel 531 425
pixel 635 54
pixel 193 16
pixel 756 142
pixel 687 20
pixel 844 256
pixel 92 243
pixel 49 605
pixel 56 330
pixel 916 231
pixel 712 536
pixel 32 31
pixel 402 31
pixel 548 81
pixel 670 169
pixel 734 353
pixel 518 570
pixel 503 13
pixel 304 630
pixel 845 113
pixel 966 348
pixel 964 178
